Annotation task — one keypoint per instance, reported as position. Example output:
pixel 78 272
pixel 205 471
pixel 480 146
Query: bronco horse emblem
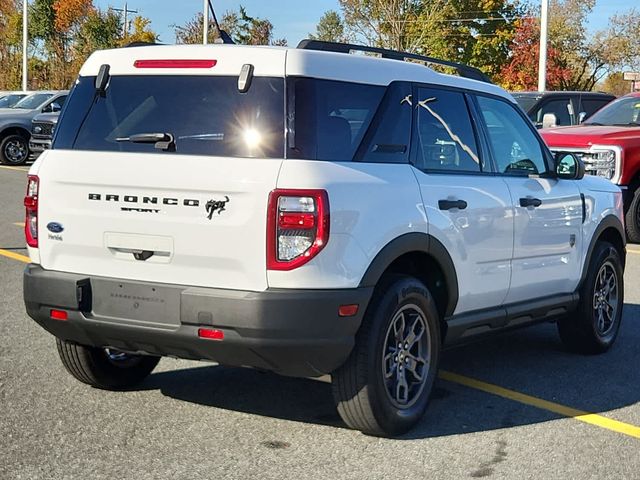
pixel 214 206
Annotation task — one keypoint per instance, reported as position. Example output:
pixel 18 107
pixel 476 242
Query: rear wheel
pixel 105 368
pixel 594 326
pixel 384 387
pixel 14 150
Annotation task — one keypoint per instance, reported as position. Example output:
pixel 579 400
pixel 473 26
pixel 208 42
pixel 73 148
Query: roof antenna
pixel 223 37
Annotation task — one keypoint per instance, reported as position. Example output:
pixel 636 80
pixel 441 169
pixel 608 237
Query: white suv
pixel 309 212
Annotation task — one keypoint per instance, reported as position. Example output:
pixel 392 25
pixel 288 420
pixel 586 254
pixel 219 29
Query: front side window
pixel 516 149
pixel 444 136
pixel 205 115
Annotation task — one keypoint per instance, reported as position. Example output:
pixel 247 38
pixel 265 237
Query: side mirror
pixel 549 120
pixel 55 107
pixel 582 116
pixel 568 166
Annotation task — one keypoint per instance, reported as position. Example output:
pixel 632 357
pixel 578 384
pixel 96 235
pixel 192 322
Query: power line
pixel 125 25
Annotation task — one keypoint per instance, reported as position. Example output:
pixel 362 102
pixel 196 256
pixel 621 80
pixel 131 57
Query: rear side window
pixel 206 115
pixel 388 137
pixel 328 119
pixel 592 105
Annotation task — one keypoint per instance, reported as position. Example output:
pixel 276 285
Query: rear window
pixel 206 115
pixel 526 102
pixel 328 119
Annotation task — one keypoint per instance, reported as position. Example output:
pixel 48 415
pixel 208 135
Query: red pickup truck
pixel 609 145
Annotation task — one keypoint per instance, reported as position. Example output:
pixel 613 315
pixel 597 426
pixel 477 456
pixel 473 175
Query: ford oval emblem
pixel 55 227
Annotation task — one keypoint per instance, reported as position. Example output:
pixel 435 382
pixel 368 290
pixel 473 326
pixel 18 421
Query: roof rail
pixel 463 70
pixel 141 44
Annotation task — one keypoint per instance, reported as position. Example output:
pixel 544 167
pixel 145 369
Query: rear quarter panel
pixel 370 205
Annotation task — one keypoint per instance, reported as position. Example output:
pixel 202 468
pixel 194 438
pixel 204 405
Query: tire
pixel 632 218
pixel 14 150
pixel 594 326
pixel 105 369
pixel 367 389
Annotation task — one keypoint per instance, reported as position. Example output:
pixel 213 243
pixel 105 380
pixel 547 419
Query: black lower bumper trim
pixel 292 332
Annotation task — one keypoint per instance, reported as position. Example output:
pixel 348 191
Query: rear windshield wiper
pixel 629 124
pixel 161 141
pixel 595 124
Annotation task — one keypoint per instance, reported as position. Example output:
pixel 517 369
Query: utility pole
pixel 126 12
pixel 25 39
pixel 542 66
pixel 205 20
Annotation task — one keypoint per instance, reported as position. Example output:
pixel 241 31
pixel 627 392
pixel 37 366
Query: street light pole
pixel 542 66
pixel 25 39
pixel 205 20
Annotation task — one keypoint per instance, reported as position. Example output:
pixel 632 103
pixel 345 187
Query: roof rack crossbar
pixel 463 70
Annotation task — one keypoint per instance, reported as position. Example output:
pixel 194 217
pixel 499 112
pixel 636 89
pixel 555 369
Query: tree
pixel 592 57
pixel 241 27
pixel 475 32
pixel 615 84
pixel 141 32
pixel 330 28
pixel 10 44
pixel 521 73
pixel 381 23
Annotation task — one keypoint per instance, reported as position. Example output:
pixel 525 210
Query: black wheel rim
pixel 16 151
pixel 605 299
pixel 405 357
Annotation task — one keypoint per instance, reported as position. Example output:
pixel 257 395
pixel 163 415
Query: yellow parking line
pixel 586 417
pixel 17 169
pixel 637 252
pixel 19 224
pixel 582 416
pixel 14 256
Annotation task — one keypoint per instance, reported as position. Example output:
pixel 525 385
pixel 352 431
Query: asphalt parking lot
pixel 517 406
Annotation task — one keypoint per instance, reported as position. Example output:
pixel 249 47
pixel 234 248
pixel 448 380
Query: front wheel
pixel 105 368
pixel 632 218
pixel 384 387
pixel 14 150
pixel 594 326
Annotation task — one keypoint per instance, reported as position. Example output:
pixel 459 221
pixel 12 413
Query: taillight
pixel 297 227
pixel 175 63
pixel 31 211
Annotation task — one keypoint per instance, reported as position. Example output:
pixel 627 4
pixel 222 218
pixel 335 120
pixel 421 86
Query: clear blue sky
pixel 292 19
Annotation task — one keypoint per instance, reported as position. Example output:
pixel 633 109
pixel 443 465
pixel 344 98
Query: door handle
pixel 530 202
pixel 451 204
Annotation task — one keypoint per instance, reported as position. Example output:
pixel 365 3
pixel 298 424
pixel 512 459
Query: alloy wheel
pixel 405 358
pixel 605 299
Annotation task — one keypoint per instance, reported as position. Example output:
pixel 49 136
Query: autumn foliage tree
pixel 62 34
pixel 521 73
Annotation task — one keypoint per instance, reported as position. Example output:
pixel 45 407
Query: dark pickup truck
pixel 560 109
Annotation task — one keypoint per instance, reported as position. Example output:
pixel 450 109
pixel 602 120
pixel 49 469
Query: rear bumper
pixel 292 332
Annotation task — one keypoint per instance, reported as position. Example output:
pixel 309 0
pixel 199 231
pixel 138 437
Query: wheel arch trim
pixel 608 222
pixel 420 243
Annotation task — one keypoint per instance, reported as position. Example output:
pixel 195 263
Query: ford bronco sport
pixel 309 212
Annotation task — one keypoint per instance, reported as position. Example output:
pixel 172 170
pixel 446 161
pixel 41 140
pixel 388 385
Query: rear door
pixel 469 209
pixel 191 211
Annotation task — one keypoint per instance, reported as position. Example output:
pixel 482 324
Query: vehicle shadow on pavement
pixel 531 361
